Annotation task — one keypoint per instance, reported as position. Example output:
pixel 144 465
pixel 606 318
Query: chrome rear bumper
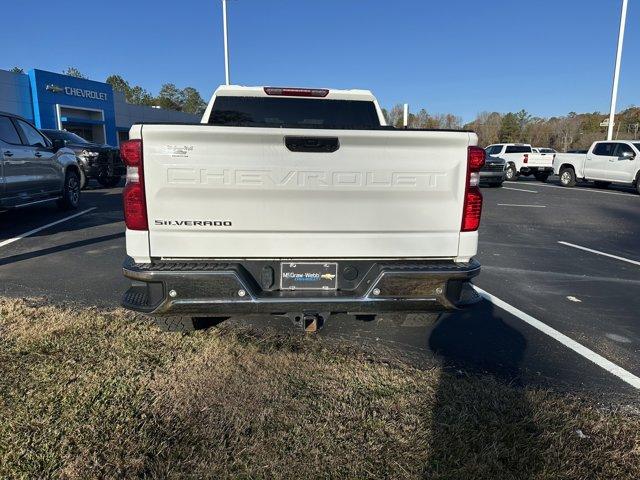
pixel 240 287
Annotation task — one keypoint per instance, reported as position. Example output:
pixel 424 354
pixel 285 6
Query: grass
pixel 93 394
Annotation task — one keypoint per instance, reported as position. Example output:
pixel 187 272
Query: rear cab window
pixel 294 113
pixel 518 149
pixel 604 149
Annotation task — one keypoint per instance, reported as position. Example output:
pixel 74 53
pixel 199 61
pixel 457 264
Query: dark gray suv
pixel 33 169
pixel 95 160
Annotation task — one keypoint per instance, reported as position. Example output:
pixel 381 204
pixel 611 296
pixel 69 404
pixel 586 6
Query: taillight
pixel 131 153
pixel 475 158
pixel 296 92
pixel 135 205
pixel 526 158
pixel 472 208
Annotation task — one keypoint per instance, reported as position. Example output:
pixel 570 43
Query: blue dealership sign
pixel 53 94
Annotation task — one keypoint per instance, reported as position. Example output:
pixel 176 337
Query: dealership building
pixel 90 109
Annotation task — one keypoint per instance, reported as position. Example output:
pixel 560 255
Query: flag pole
pixel 616 71
pixel 226 42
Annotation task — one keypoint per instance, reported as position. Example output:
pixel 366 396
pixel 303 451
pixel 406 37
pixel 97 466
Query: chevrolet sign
pixel 77 92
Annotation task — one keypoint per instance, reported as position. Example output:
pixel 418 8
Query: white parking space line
pixel 515 205
pixel 579 189
pixel 622 259
pixel 580 349
pixel 519 189
pixel 36 230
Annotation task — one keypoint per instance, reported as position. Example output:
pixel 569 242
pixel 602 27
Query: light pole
pixel 616 71
pixel 226 42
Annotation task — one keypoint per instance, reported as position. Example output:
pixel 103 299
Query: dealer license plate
pixel 308 276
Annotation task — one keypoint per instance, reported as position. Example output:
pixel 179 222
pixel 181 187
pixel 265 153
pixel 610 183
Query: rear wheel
pixel 541 176
pixel 71 191
pixel 601 184
pixel 511 173
pixel 567 177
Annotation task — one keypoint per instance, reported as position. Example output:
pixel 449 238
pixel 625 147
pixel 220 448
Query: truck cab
pixel 604 163
pixel 33 169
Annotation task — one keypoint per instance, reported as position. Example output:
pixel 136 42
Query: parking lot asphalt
pixel 589 297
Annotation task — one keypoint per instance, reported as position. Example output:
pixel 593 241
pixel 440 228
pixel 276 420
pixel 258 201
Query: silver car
pixel 33 169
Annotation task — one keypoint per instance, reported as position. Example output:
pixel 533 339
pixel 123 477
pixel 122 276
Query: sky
pixel 455 56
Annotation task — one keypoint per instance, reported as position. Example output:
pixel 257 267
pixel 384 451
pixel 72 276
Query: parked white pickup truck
pixel 604 163
pixel 298 202
pixel 522 160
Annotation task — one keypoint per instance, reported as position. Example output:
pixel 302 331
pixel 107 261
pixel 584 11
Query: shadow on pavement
pixel 479 428
pixel 59 248
pixel 108 210
pixel 479 340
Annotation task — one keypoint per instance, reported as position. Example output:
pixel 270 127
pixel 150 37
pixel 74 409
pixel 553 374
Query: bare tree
pixel 396 115
pixel 487 126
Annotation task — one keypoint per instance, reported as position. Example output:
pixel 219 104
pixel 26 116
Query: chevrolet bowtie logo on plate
pixel 54 88
pixel 328 276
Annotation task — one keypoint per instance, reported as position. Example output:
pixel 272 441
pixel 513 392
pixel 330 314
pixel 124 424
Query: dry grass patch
pixel 87 394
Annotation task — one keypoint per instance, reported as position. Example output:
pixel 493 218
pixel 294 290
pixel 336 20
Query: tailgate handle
pixel 312 144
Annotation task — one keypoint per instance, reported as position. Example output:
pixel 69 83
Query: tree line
pixel 574 131
pixel 170 97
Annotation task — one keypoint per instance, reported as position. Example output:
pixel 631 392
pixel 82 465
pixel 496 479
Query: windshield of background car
pixel 294 113
pixel 68 136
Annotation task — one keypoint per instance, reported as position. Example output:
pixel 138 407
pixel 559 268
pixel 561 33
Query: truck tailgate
pixel 540 160
pixel 239 192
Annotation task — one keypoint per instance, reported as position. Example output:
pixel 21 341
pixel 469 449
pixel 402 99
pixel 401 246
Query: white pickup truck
pixel 298 202
pixel 522 160
pixel 604 163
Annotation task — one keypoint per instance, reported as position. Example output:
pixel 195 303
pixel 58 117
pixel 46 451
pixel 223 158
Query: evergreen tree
pixel 509 128
pixel 73 72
